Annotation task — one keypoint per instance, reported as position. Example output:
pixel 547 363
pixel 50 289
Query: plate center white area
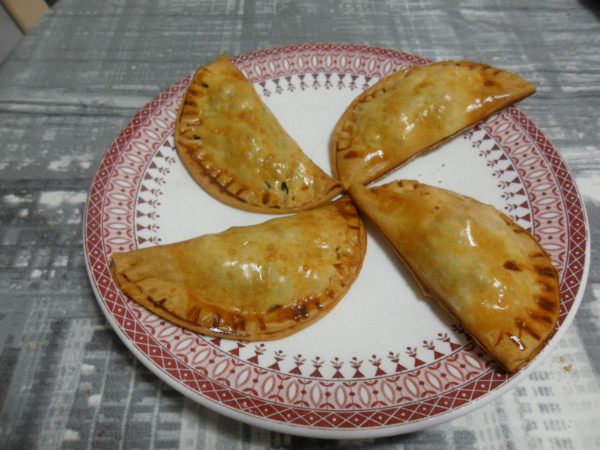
pixel 384 320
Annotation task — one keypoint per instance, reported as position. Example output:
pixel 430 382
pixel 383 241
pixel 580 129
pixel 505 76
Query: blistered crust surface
pixel 237 150
pixel 487 271
pixel 257 282
pixel 414 110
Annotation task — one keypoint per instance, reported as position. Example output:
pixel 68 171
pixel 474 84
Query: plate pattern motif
pixel 424 380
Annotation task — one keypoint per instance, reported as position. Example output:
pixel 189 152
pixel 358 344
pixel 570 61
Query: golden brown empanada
pixel 263 281
pixel 414 110
pixel 486 270
pixel 237 150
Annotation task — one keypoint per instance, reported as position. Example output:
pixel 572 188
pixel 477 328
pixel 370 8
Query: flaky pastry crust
pixel 236 149
pixel 488 272
pixel 414 110
pixel 257 282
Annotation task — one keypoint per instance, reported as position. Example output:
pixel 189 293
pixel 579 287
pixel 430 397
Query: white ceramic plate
pixel 386 360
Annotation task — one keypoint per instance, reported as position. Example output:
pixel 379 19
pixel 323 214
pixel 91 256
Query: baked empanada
pixel 264 281
pixel 236 149
pixel 487 271
pixel 414 110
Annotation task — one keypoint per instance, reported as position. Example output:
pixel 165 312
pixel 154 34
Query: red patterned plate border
pixel 393 393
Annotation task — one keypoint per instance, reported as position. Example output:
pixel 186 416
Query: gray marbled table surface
pixel 66 379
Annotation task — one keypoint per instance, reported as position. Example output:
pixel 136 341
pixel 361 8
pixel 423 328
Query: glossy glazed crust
pixel 258 282
pixel 236 149
pixel 483 268
pixel 415 110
